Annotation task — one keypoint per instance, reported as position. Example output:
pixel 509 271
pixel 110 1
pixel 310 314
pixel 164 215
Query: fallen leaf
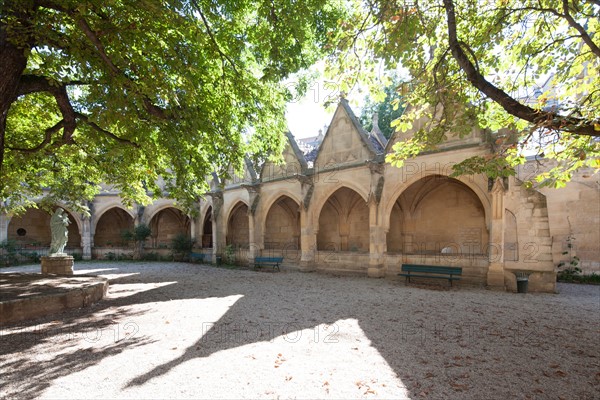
pixel 459 387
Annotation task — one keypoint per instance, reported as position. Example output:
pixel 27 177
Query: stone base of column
pixel 376 272
pixel 60 265
pixel 307 266
pixel 495 278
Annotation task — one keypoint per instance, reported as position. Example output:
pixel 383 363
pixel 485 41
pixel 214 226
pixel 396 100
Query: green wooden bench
pixel 268 262
pixel 430 271
pixel 200 257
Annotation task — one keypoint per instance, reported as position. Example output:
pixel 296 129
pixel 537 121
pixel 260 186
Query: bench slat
pixel 454 278
pixel 198 256
pixel 268 261
pixel 434 271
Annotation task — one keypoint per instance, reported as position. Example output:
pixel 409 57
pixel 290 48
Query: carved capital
pixel 303 179
pixel 252 189
pixel 375 167
pixel 217 203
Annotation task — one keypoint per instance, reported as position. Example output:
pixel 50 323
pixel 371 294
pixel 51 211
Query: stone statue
pixel 60 233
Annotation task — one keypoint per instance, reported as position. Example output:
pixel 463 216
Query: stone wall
pixel 348 212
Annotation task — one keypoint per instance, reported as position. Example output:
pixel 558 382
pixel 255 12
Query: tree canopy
pixel 148 96
pixel 388 110
pixel 530 66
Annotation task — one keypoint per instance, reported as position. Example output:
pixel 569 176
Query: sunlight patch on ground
pixel 120 290
pixel 96 271
pixel 160 331
pixel 324 361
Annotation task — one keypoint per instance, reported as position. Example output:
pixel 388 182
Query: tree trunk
pixel 13 61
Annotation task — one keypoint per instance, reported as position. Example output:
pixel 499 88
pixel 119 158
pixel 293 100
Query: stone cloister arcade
pixel 102 232
pixel 342 209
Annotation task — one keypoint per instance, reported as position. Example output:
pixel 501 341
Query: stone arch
pixel 32 229
pixel 238 226
pixel 393 194
pixel 166 223
pixel 207 229
pixel 99 211
pixel 152 211
pixel 231 199
pixel 267 200
pixel 344 222
pixel 324 198
pixel 110 225
pixel 437 214
pixel 281 225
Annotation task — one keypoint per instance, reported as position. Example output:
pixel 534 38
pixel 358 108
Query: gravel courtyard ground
pixel 175 330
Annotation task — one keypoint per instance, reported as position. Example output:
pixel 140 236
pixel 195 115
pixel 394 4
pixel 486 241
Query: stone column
pixel 218 226
pixel 495 275
pixel 253 247
pixel 4 221
pixel 86 238
pixel 193 233
pixel 308 242
pixel 377 244
pixel 254 234
pixel 308 232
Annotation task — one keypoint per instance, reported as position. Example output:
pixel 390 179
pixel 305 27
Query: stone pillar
pixel 308 232
pixel 86 238
pixel 193 233
pixel 495 275
pixel 308 241
pixel 377 243
pixel 218 226
pixel 4 221
pixel 254 234
pixel 253 247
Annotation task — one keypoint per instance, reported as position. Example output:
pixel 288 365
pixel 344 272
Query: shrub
pixel 8 253
pixel 30 256
pixel 181 246
pixel 150 256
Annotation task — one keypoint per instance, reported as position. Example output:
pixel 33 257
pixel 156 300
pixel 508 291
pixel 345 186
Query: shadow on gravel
pixel 439 343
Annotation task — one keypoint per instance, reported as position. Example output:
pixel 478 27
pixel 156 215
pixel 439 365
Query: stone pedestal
pixel 60 265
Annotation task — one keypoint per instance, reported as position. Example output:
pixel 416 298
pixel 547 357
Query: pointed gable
pixel 346 141
pixel 293 163
pixel 248 175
